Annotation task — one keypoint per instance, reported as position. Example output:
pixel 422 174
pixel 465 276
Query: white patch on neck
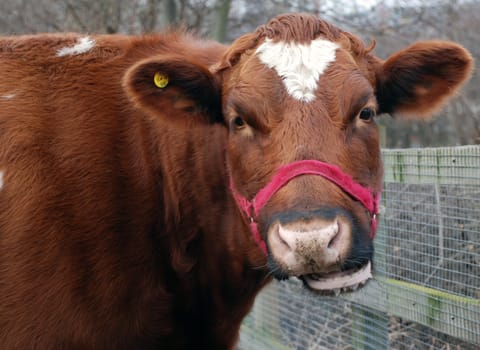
pixel 8 97
pixel 299 65
pixel 84 45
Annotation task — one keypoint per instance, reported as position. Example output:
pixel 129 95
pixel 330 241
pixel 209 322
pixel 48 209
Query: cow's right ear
pixel 174 88
pixel 418 80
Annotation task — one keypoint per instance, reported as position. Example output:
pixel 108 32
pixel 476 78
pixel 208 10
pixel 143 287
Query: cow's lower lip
pixel 339 281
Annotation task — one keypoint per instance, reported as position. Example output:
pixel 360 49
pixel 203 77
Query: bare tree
pixel 219 28
pixel 170 16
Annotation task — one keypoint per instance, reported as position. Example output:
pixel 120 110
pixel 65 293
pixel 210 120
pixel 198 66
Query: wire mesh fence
pixel 426 293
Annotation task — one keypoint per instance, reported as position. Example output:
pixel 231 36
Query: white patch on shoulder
pixel 8 97
pixel 83 45
pixel 299 65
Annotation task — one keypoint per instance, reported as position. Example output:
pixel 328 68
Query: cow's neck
pixel 209 241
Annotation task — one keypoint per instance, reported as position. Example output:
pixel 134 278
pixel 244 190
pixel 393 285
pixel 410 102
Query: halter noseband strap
pixel 305 167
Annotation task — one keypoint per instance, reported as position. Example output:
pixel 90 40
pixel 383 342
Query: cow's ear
pixel 175 89
pixel 418 80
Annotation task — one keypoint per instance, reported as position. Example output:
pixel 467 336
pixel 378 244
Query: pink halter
pixel 305 167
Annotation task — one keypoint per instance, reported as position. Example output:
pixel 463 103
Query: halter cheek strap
pixel 286 173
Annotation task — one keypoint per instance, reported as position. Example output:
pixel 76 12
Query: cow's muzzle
pixel 322 239
pixel 367 197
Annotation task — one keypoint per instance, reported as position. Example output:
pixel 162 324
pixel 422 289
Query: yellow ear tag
pixel 160 80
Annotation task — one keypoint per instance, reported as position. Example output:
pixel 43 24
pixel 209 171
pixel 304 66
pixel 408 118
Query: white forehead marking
pixel 299 65
pixel 8 96
pixel 83 45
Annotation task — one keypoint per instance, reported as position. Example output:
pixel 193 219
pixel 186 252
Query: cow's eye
pixel 367 114
pixel 238 122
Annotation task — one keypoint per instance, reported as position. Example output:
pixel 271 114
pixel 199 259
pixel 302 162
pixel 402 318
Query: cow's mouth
pixel 336 282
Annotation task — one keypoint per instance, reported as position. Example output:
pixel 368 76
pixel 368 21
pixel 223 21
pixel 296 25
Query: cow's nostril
pixel 335 235
pixel 282 241
pixel 286 238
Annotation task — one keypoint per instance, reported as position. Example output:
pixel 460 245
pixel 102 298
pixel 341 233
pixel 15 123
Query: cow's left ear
pixel 418 80
pixel 175 89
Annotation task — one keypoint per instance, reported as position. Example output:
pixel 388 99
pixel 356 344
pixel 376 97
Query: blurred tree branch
pixel 219 30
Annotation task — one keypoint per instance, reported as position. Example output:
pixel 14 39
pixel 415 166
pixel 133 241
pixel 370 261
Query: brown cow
pixel 150 186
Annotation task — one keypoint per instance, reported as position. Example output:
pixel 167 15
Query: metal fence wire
pixel 426 291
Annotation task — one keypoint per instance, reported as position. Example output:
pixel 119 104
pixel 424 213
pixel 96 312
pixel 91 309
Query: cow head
pixel 300 98
pixel 299 90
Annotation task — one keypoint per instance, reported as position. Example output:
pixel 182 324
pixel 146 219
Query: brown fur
pixel 117 226
pixel 103 242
